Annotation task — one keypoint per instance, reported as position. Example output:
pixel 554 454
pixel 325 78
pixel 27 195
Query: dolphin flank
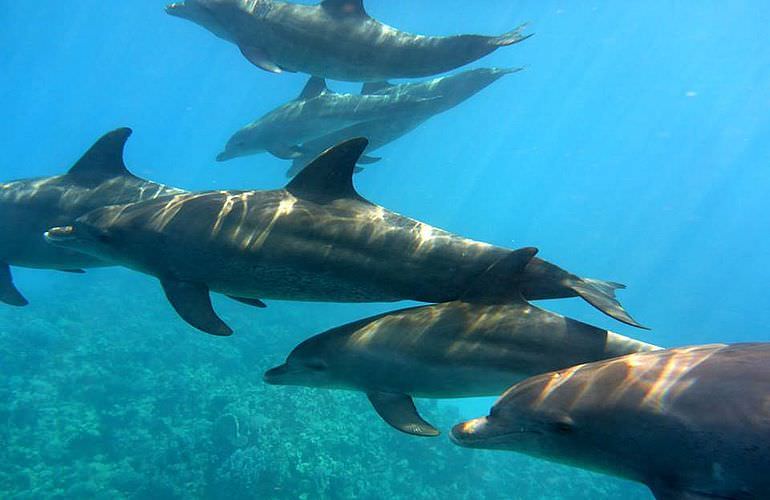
pixel 30 206
pixel 316 239
pixel 314 113
pixel 690 423
pixel 449 350
pixel 335 39
pixel 440 94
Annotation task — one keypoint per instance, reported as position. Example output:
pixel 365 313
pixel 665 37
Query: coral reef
pixel 107 395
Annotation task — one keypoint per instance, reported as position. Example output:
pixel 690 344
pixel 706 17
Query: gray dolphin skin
pixel 450 350
pixel 442 94
pixel 316 239
pixel 690 423
pixel 314 113
pixel 335 39
pixel 31 206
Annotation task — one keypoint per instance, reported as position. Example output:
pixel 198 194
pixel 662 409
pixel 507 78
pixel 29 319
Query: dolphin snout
pixel 225 155
pixel 273 376
pixel 60 234
pixel 468 433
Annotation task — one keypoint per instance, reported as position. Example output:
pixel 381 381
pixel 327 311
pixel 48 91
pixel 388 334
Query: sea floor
pixel 106 394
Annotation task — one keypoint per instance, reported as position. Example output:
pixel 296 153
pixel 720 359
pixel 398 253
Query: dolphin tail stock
pixel 8 291
pixel 601 295
pixel 500 277
pixel 398 411
pixel 516 35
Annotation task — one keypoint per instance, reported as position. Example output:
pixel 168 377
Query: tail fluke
pixel 514 36
pixel 601 295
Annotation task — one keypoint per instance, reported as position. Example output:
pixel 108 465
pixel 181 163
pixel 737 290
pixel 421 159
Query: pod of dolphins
pixel 689 422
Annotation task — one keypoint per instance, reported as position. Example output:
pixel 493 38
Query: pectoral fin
pixel 399 411
pixel 258 58
pixel 193 303
pixel 368 160
pixel 248 301
pixel 286 152
pixel 8 291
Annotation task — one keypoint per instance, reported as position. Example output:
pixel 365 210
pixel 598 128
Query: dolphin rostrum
pixel 335 39
pixel 31 206
pixel 316 239
pixel 692 423
pixel 450 350
pixel 315 112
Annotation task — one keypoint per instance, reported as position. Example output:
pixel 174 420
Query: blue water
pixel 634 147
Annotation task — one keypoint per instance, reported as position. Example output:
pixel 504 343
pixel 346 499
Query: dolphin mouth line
pixel 277 374
pixel 469 441
pixel 59 234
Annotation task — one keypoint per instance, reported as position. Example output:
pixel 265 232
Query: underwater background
pixel 634 147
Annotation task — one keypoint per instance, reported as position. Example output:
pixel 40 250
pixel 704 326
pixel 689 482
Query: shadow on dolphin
pixel 690 423
pixel 335 39
pixel 317 239
pixel 450 350
pixel 442 93
pixel 29 207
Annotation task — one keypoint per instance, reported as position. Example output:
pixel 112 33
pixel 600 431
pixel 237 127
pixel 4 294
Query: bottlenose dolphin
pixel 450 350
pixel 316 239
pixel 335 39
pixel 690 423
pixel 442 94
pixel 31 206
pixel 316 112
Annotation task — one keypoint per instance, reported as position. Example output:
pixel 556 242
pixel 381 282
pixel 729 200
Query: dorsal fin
pixel 330 176
pixel 314 87
pixel 346 8
pixel 375 87
pixel 499 278
pixel 103 160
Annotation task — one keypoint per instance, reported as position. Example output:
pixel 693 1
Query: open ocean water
pixel 634 147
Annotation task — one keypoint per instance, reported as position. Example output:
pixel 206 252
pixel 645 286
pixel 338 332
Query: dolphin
pixel 690 423
pixel 450 350
pixel 30 206
pixel 317 111
pixel 334 39
pixel 441 93
pixel 316 239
